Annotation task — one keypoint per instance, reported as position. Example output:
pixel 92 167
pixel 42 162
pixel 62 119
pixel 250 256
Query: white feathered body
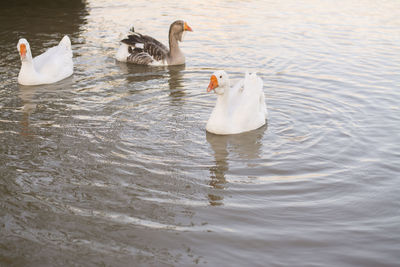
pixel 52 66
pixel 240 109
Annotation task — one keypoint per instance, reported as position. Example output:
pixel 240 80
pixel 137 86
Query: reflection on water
pixel 175 81
pixel 246 146
pixel 26 93
pixel 138 73
pixel 33 99
pixel 56 19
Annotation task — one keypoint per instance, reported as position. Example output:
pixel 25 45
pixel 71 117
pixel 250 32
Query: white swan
pixel 240 108
pixel 52 66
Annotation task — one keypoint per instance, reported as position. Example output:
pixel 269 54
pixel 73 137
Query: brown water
pixel 113 166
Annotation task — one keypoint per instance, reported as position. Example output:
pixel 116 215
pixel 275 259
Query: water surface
pixel 113 165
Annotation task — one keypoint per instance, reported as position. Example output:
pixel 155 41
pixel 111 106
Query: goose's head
pixel 24 49
pixel 178 28
pixel 219 82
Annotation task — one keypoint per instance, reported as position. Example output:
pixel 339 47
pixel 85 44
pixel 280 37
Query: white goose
pixel 52 66
pixel 240 108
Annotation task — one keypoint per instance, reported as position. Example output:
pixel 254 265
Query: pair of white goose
pixel 240 108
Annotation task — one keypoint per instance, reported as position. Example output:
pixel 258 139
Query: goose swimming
pixel 145 50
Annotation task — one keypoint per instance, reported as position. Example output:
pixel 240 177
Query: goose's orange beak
pixel 213 83
pixel 187 27
pixel 22 50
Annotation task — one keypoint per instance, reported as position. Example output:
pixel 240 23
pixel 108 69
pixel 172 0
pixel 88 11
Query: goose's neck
pixel 175 54
pixel 173 43
pixel 27 67
pixel 28 72
pixel 223 99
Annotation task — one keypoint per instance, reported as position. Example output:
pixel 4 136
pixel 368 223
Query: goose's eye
pixel 220 76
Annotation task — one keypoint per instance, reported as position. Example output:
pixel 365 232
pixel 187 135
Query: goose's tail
pixel 65 42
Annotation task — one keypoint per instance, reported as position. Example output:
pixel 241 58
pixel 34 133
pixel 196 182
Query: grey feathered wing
pixel 144 49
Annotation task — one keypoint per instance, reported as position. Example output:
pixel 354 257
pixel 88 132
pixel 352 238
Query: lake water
pixel 113 165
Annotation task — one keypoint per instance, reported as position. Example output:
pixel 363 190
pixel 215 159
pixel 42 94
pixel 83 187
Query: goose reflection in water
pixel 32 102
pixel 245 147
pixel 175 81
pixel 140 73
pixel 26 93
